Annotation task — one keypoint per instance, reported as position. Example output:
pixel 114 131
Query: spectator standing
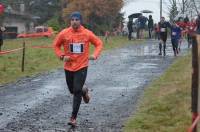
pixel 150 26
pixel 2 29
pixel 130 28
pixel 142 20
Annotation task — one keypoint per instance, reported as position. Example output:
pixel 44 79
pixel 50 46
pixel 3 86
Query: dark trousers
pixel 164 48
pixel 189 39
pixel 150 32
pixel 175 46
pixel 138 33
pixel 130 35
pixel 75 81
pixel 163 38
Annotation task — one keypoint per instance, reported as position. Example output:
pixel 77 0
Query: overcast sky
pixel 135 6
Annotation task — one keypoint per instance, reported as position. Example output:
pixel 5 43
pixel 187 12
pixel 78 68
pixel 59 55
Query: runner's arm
pixel 97 43
pixel 57 46
pixel 169 25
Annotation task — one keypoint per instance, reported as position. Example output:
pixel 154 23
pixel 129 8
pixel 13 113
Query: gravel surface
pixel 116 82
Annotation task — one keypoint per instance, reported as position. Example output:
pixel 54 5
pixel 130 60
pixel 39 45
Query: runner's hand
pixel 61 57
pixel 92 57
pixel 66 58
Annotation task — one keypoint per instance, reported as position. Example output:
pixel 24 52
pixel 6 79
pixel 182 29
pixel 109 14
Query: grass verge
pixel 38 60
pixel 165 106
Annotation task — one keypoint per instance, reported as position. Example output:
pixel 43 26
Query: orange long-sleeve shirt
pixel 76 46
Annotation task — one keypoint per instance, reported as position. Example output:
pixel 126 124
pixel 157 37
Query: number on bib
pixel 162 29
pixel 76 48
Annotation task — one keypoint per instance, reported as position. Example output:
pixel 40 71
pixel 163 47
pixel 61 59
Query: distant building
pixel 17 22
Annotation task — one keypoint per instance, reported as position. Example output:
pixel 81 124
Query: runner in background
pixel 182 24
pixel 198 24
pixel 156 31
pixel 175 37
pixel 163 25
pixel 190 28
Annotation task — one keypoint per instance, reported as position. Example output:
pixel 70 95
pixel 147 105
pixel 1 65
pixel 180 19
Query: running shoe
pixel 72 121
pixel 86 97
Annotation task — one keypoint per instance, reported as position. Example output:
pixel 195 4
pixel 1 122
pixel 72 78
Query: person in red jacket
pixel 75 40
pixel 190 29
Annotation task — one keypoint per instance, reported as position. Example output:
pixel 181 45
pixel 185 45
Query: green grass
pixel 38 60
pixel 165 106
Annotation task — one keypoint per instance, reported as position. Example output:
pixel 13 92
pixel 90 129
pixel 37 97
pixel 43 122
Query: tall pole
pixel 195 6
pixel 183 2
pixel 160 9
pixel 198 57
pixel 195 79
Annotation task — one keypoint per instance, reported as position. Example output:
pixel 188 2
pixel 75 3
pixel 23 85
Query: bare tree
pixel 182 8
pixel 173 9
pixel 195 5
pixel 183 5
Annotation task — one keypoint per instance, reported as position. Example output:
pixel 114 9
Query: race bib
pixel 174 33
pixel 76 48
pixel 163 29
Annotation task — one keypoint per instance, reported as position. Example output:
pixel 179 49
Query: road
pixel 116 81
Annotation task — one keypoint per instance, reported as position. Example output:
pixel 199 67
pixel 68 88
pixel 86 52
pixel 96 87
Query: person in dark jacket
pixel 186 19
pixel 2 29
pixel 150 26
pixel 198 24
pixel 163 25
pixel 130 28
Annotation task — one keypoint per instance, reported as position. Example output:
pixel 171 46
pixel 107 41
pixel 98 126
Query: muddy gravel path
pixel 116 81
